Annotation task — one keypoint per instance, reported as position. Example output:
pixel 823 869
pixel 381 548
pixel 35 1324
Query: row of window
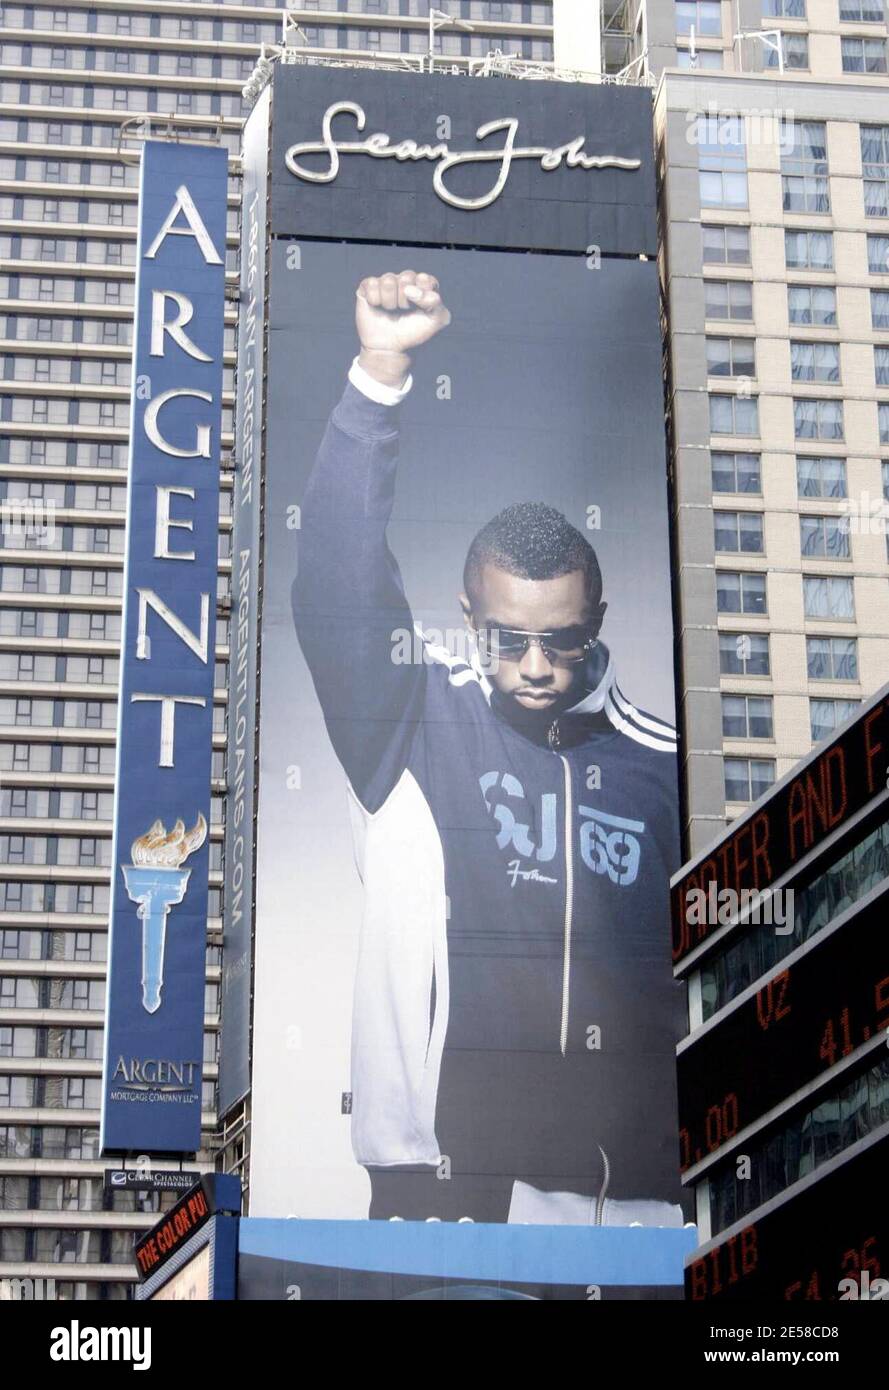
pixel 704 17
pixel 19 130
pixel 92 626
pixel 824 596
pixel 748 654
pixel 93 898
pixel 722 160
pixel 90 497
pixel 94 96
pixel 42 533
pixel 52 943
pixel 52 579
pixel 750 716
pixel 92 332
pixel 76 21
pixel 66 1043
pixel 821 537
pixel 76 1194
pixel 819 361
pixel 68 1246
pixel 79 371
pixel 77 670
pixel 42 992
pixel 816 476
pixel 813 418
pixel 806 304
pixel 45 803
pixel 852 872
pixel 841 1117
pixel 53 897
pixel 84 850
pixel 82 211
pixel 44 622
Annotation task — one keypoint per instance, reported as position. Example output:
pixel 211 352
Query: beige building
pixel 776 275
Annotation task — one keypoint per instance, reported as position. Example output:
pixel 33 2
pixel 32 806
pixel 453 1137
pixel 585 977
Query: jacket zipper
pixel 600 1200
pixel 569 909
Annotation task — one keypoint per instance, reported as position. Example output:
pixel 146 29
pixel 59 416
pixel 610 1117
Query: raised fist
pixel 395 314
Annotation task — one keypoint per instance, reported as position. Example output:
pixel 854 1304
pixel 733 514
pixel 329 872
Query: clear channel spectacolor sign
pixel 160 856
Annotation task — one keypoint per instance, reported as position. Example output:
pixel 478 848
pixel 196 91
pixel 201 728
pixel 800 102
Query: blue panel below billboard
pixel 456 1260
pixel 155 1007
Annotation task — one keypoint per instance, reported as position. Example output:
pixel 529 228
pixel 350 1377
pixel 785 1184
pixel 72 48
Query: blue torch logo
pixel 156 881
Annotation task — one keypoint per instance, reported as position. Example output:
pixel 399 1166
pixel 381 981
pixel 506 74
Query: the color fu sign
pixel 155 1007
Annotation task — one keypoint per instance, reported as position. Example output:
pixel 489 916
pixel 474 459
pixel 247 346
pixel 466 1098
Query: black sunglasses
pixel 564 644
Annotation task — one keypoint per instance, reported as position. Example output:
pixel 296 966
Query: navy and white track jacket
pixel 514 1007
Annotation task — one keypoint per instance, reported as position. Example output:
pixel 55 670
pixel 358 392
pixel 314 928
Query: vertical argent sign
pixel 160 856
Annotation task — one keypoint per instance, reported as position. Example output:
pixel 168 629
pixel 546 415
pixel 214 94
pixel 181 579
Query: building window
pixel 794 47
pixel 747 716
pixel 736 472
pixel 879 308
pixel 832 658
pixel 746 779
pixel 863 55
pixel 862 12
pixel 881 365
pixel 783 9
pixel 740 593
pixel 883 423
pixel 828 596
pixel 728 299
pixel 820 477
pixel 734 415
pixel 878 254
pixel 744 654
pixel 875 169
pixel 722 161
pixel 726 245
pixel 804 167
pixel 817 419
pixel 704 16
pixel 731 356
pixel 738 532
pixel 826 716
pixel 824 537
pixel 814 361
pixel 808 250
pixel 812 304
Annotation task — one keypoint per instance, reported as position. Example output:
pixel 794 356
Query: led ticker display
pixel 804 1251
pixel 826 791
pixel 802 1021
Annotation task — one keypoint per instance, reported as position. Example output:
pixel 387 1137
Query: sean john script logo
pixel 380 146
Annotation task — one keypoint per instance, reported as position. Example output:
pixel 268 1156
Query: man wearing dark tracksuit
pixel 515 822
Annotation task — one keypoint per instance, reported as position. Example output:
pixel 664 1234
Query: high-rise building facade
pixel 775 256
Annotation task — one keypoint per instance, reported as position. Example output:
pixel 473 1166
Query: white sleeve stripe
pixel 625 727
pixel 643 721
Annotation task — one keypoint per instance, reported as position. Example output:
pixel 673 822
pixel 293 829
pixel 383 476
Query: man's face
pixel 537 680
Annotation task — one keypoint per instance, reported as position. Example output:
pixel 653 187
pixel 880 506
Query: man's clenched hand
pixel 395 314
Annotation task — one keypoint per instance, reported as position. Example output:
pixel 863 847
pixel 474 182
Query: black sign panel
pixel 826 791
pixel 829 1244
pixel 804 1020
pixel 462 162
pixel 117 1179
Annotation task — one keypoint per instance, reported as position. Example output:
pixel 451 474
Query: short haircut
pixel 532 541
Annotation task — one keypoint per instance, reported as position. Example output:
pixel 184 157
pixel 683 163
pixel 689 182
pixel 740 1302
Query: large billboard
pixel 160 856
pixel 467 775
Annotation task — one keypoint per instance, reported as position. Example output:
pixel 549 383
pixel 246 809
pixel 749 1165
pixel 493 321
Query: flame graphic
pixel 159 848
